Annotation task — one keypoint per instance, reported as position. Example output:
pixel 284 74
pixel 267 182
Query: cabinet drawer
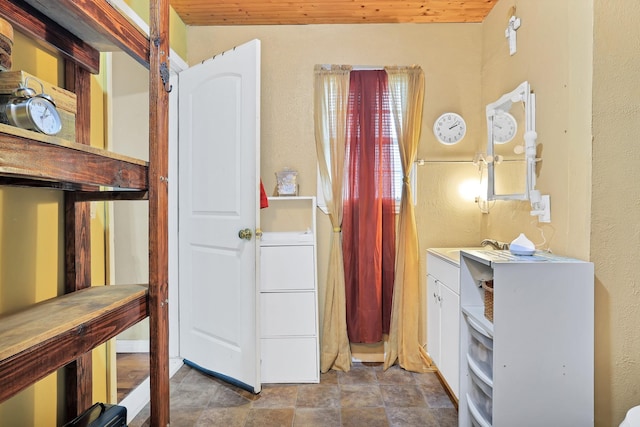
pixel 287 267
pixel 289 360
pixel 287 314
pixel 481 396
pixel 444 272
pixel 480 348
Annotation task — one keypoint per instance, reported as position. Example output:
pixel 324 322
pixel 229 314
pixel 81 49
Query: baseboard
pixel 367 357
pixel 140 396
pixel 132 346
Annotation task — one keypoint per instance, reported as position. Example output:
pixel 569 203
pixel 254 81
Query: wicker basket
pixel 487 285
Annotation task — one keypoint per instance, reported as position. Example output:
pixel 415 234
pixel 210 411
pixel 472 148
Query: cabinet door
pixel 449 337
pixel 433 319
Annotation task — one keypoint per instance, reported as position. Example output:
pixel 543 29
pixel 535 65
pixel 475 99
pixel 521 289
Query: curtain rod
pixel 421 162
pixel 357 67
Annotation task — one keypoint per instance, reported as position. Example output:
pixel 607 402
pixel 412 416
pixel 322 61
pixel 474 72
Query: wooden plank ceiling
pixel 298 12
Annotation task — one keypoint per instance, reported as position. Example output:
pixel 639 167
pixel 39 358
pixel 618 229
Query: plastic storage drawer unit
pixel 480 348
pixel 481 395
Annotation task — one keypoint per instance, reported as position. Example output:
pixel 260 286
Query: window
pixel 397 182
pixel 397 164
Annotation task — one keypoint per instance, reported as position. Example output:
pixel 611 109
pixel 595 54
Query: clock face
pixel 44 116
pixel 449 128
pixel 504 128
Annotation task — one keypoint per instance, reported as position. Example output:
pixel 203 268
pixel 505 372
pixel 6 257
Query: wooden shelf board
pixel 27 154
pixel 46 336
pixel 95 22
pixel 33 23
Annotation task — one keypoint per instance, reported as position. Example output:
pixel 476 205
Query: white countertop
pixel 451 254
pixel 489 257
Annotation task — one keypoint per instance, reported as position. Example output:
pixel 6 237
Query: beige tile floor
pixel 365 396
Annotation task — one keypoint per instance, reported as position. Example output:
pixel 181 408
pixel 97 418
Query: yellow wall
pixel 616 208
pixel 32 252
pixel 554 55
pixel 177 28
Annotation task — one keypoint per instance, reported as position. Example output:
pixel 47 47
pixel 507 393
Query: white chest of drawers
pixel 288 292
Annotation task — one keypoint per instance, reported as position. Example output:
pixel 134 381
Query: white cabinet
pixel 443 314
pixel 288 292
pixel 533 365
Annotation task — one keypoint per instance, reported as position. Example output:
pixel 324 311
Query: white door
pixel 219 143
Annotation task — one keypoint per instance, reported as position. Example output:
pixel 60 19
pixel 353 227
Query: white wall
pixel 130 102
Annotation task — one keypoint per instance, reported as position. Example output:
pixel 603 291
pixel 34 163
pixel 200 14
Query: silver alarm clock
pixel 28 110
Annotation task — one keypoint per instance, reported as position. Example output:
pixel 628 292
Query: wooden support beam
pixel 78 81
pixel 158 211
pixel 77 236
pixel 77 245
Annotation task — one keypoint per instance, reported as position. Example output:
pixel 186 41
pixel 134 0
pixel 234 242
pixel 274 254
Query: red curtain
pixel 368 226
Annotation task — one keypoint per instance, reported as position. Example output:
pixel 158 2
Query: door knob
pixel 245 234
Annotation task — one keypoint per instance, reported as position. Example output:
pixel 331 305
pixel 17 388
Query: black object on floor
pixel 101 415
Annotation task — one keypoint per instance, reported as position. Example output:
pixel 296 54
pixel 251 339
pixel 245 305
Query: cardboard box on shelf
pixel 64 99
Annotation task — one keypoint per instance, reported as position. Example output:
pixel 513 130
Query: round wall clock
pixel 504 128
pixel 449 128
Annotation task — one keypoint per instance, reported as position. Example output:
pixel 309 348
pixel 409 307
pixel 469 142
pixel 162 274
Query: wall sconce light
pixel 481 200
pixel 469 190
pixel 476 189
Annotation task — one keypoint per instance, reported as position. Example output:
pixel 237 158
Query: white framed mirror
pixel 511 145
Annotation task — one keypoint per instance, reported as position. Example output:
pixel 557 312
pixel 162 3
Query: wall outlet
pixel 543 209
pixel 540 206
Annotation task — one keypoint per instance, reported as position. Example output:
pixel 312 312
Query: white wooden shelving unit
pixel 288 291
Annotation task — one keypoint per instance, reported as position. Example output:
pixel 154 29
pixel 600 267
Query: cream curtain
pixel 331 100
pixel 406 87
